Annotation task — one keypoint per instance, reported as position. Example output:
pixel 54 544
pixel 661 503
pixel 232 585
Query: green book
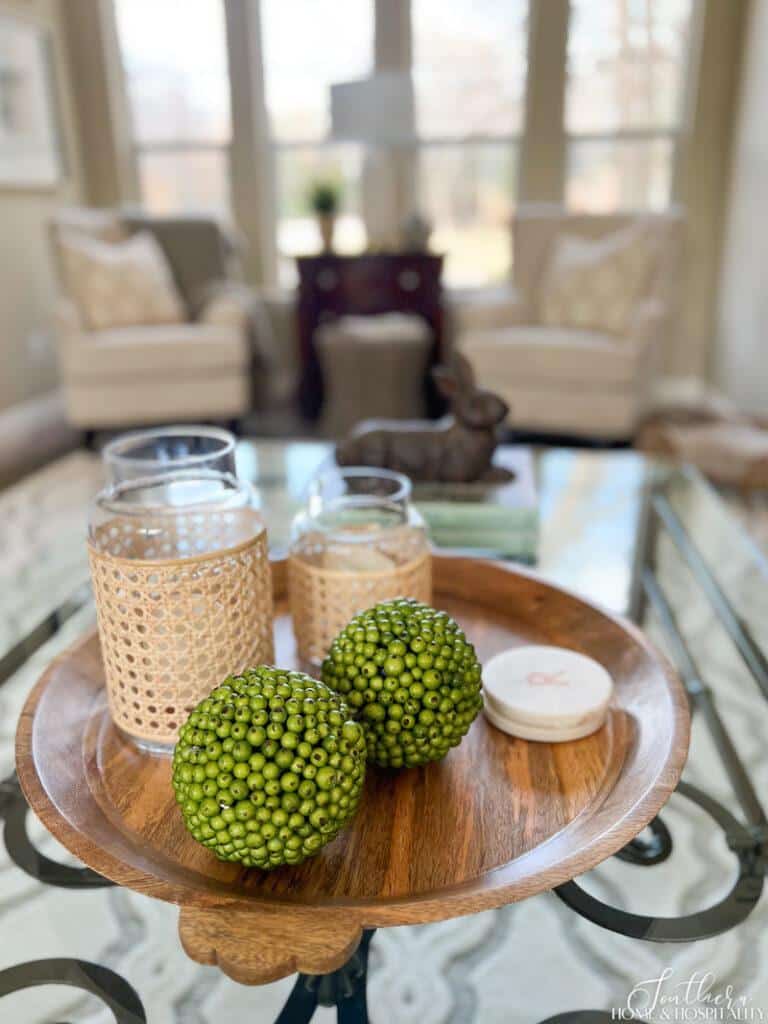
pixel 499 519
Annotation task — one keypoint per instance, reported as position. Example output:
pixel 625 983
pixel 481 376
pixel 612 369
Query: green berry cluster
pixel 268 768
pixel 412 678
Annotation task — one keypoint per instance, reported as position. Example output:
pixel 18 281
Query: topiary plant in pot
pixel 324 201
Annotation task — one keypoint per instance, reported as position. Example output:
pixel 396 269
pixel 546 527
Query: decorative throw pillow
pixel 93 222
pixel 121 284
pixel 595 284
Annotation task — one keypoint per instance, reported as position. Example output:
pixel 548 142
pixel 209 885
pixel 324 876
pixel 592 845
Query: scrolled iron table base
pixel 703 924
pixel 13 810
pixel 114 991
pixel 345 989
pixel 647 852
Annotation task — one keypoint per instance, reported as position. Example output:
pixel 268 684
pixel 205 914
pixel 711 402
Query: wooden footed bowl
pixel 498 820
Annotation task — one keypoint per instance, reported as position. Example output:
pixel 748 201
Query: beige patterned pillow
pixel 595 284
pixel 120 284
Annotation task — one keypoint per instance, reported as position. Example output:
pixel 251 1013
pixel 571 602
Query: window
pixel 307 46
pixel 175 60
pixel 627 64
pixel 469 73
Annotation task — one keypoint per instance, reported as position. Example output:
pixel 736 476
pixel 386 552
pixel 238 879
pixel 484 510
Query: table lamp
pixel 378 111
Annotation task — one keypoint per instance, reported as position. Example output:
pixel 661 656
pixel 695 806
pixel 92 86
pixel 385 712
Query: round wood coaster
pixel 540 692
pixel 498 820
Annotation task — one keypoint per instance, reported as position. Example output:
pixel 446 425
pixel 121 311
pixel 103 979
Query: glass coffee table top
pixel 613 526
pixel 592 509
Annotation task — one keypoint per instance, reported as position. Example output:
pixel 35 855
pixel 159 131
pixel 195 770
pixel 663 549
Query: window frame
pixel 402 56
pixel 677 134
pixel 542 145
pixel 275 147
pixel 139 147
pixel 513 145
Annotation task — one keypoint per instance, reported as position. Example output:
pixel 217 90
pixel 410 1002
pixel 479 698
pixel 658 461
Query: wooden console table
pixel 383 282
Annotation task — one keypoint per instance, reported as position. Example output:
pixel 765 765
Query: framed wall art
pixel 30 155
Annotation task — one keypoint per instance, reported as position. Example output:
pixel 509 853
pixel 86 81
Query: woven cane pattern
pixel 323 600
pixel 173 628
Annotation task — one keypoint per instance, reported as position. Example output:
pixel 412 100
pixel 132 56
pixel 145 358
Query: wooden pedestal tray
pixel 498 820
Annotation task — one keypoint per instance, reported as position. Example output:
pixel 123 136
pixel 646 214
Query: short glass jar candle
pixel 358 541
pixel 181 577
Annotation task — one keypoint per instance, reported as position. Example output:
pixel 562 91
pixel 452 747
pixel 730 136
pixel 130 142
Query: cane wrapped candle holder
pixel 183 588
pixel 358 542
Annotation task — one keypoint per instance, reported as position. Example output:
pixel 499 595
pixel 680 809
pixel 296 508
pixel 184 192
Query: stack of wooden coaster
pixel 549 694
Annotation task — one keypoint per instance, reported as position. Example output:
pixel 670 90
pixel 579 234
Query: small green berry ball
pixel 268 768
pixel 410 676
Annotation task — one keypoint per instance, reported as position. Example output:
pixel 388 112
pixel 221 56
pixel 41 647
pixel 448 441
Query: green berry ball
pixel 411 678
pixel 268 768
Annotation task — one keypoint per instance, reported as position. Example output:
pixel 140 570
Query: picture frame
pixel 30 152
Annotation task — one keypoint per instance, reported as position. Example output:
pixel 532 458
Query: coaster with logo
pixel 543 693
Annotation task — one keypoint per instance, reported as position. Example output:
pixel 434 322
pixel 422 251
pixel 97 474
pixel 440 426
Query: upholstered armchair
pixel 571 378
pixel 199 368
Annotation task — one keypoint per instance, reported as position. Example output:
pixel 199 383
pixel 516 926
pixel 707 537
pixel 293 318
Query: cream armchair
pixel 564 380
pixel 195 370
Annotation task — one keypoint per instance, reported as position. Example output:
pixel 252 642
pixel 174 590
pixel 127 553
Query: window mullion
pixel 543 149
pixel 390 172
pixel 252 193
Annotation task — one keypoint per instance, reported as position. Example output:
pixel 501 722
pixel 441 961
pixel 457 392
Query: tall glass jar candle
pixel 358 541
pixel 181 577
pixel 149 452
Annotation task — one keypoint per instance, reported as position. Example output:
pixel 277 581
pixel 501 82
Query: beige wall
pixel 742 323
pixel 701 183
pixel 27 358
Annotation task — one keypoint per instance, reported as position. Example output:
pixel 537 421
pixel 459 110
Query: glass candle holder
pixel 358 541
pixel 149 452
pixel 182 582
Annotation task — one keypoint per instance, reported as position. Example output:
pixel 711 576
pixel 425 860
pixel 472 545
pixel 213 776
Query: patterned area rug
pixel 520 964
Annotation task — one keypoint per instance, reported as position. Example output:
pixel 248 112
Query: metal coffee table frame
pixel 346 988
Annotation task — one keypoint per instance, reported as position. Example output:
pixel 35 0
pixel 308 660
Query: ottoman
pixel 373 366
pixel 728 448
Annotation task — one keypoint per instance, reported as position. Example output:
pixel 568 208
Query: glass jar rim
pixel 110 499
pixel 402 492
pixel 325 502
pixel 114 450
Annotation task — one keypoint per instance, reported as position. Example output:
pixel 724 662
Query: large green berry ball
pixel 268 768
pixel 411 677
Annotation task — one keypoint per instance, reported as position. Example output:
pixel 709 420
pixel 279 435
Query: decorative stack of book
pixel 499 520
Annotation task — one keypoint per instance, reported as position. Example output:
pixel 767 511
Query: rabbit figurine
pixel 456 449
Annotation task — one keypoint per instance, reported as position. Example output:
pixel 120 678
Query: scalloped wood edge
pixel 257 946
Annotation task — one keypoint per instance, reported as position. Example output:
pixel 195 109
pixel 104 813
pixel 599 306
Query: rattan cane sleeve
pixel 323 600
pixel 172 629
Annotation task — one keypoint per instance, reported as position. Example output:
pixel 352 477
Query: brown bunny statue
pixel 456 449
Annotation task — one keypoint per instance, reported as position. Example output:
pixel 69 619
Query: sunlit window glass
pixel 627 74
pixel 307 46
pixel 179 101
pixel 469 73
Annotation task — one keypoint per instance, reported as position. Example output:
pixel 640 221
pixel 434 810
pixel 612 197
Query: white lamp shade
pixel 378 110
